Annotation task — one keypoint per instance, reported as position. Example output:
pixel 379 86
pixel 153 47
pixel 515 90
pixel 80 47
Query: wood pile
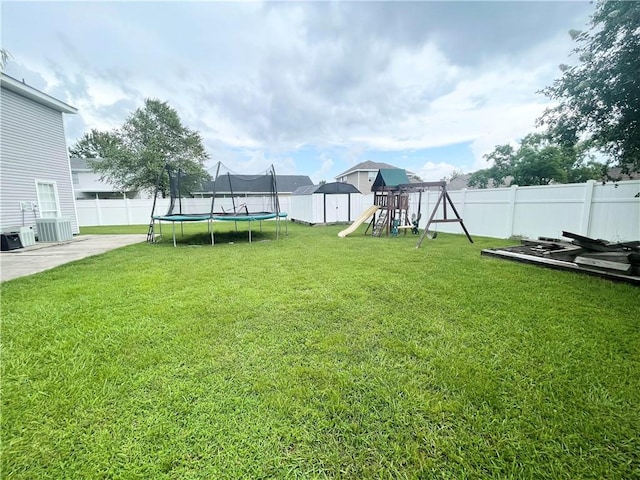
pixel 616 261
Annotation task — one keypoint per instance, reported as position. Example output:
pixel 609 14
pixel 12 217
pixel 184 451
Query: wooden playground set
pixel 390 211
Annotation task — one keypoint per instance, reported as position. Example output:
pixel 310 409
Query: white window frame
pixel 54 184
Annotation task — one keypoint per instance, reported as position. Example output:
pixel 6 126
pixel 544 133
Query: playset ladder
pixel 150 232
pixel 380 224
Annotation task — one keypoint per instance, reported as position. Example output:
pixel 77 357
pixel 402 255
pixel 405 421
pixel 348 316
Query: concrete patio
pixel 44 256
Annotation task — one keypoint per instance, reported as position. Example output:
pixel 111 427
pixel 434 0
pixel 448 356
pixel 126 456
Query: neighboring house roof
pixel 459 182
pixel 254 184
pixel 78 164
pixel 367 166
pixel 328 188
pixel 615 174
pixel 288 183
pixel 37 96
pixel 390 177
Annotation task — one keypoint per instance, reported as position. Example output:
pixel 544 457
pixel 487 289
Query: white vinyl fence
pixel 97 212
pixel 610 212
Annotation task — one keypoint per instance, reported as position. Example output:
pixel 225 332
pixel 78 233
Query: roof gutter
pixel 37 96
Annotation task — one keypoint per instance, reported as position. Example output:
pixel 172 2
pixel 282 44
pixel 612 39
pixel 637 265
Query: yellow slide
pixel 359 221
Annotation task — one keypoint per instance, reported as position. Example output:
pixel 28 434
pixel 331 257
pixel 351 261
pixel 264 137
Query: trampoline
pixel 181 218
pixel 251 217
pixel 226 186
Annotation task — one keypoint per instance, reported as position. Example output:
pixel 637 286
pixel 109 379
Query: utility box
pixel 27 234
pixel 9 241
pixel 54 229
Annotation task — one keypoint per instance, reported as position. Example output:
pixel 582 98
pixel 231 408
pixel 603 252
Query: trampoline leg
pixel 174 233
pixel 249 231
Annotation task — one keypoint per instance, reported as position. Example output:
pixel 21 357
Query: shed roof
pixel 328 188
pixel 390 178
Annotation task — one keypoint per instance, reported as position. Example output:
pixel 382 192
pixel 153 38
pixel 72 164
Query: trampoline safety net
pixel 227 193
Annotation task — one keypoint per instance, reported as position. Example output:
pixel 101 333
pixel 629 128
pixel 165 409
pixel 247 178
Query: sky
pixel 312 88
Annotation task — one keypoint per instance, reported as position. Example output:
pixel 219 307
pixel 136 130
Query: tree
pixel 96 144
pixel 4 57
pixel 480 178
pixel 453 175
pixel 503 158
pixel 537 161
pixel 133 157
pixel 600 95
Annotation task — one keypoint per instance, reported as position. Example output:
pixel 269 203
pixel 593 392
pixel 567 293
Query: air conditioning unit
pixel 54 229
pixel 27 236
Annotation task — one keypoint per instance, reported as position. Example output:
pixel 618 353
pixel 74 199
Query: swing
pixel 415 220
pixel 443 199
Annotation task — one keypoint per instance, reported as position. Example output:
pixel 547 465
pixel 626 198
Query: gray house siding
pixel 33 148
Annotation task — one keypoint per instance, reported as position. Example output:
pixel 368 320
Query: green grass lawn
pixel 318 357
pixel 121 229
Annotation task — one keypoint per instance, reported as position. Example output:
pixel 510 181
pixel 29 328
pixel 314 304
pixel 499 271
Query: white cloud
pixel 434 172
pixel 261 80
pixel 251 162
pixel 104 93
pixel 322 172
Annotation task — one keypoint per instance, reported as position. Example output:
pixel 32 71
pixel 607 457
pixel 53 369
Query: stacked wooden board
pixel 616 261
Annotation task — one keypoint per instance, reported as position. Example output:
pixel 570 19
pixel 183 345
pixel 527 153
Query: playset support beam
pixel 443 199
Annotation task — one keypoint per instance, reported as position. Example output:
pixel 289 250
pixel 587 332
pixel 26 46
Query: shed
pixel 389 179
pixel 326 203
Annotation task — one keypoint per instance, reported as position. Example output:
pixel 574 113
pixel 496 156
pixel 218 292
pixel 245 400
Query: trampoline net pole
pixel 233 200
pixel 215 185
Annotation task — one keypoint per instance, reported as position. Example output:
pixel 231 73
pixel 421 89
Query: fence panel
pixel 610 211
pixel 96 212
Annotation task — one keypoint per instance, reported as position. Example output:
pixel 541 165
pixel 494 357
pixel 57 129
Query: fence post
pixel 586 207
pixel 98 212
pixel 463 199
pixel 128 210
pixel 511 210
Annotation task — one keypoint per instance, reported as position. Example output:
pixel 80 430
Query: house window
pixel 48 203
pixel 372 176
pixel 76 178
